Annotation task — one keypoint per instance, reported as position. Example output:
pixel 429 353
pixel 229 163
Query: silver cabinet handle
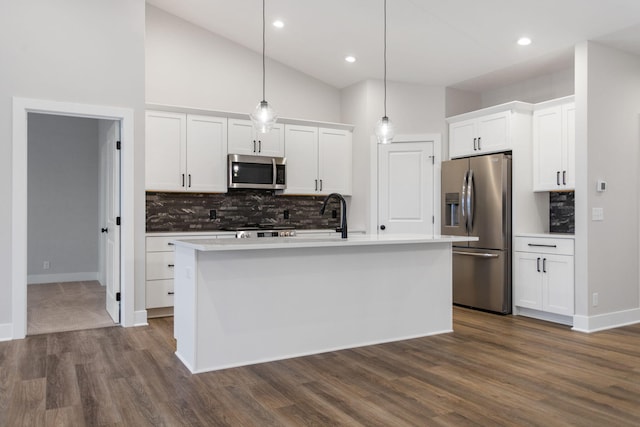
pixel 538 245
pixel 538 264
pixel 558 177
pixel 254 145
pixel 479 138
pixel 189 180
pixel 544 265
pixel 320 185
pixel 316 185
pixel 171 265
pixel 564 177
pixel 480 255
pixel 259 146
pixel 475 140
pixel 182 185
pixel 170 243
pixel 170 293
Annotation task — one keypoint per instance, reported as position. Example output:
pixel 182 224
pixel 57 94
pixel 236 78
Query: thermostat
pixel 602 186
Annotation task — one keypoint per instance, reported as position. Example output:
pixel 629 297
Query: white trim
pixel 605 321
pixel 543 315
pixel 140 318
pixel 22 106
pixel 37 279
pixel 6 332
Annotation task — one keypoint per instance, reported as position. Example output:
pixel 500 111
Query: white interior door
pixel 406 188
pixel 111 158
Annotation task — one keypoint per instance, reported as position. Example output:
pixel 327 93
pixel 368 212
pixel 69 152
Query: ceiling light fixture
pixel 384 128
pixel 350 59
pixel 278 24
pixel 524 41
pixel 264 116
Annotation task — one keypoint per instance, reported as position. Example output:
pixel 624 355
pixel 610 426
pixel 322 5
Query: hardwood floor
pixel 66 306
pixel 491 371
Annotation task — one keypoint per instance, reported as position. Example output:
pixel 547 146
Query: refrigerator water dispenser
pixel 452 201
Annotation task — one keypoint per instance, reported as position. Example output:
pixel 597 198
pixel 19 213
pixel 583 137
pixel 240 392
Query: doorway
pixel 71 192
pixel 19 203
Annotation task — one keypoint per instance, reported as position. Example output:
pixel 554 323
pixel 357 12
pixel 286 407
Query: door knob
pixel 104 230
pixel 382 227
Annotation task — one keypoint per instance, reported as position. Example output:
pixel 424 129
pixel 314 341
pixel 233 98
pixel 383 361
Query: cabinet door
pixel 334 161
pixel 241 137
pixel 548 149
pixel 527 282
pixel 461 138
pixel 271 143
pixel 558 284
pixel 569 139
pixel 165 151
pixel 494 132
pixel 301 150
pixel 206 154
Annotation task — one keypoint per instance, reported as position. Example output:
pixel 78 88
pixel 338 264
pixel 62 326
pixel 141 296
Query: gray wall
pixel 83 51
pixel 607 147
pixel 63 225
pixel 189 66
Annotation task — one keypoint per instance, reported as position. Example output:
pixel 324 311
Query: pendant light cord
pixel 263 49
pixel 385 58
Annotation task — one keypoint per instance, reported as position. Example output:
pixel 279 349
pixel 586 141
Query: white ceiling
pixel 470 44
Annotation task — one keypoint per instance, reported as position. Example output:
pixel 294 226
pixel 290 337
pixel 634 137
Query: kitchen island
pixel 241 301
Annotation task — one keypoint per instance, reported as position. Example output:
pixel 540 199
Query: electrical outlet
pixel 594 299
pixel 334 213
pixel 46 265
pixel 286 214
pixel 212 214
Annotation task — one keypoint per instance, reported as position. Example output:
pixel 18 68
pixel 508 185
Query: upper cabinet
pixel 485 131
pixel 554 145
pixel 319 160
pixel 243 139
pixel 185 152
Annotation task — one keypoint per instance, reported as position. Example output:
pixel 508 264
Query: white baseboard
pixel 6 332
pixel 140 318
pixel 543 315
pixel 605 321
pixel 36 279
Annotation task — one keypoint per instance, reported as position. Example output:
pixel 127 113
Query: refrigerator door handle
pixel 463 204
pixel 481 255
pixel 471 200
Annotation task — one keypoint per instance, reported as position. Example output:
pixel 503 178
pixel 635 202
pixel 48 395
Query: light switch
pixel 597 214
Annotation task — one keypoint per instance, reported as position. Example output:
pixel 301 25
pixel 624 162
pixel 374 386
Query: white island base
pixel 244 303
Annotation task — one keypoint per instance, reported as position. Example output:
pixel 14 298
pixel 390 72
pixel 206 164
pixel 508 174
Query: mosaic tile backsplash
pixel 562 212
pixel 180 212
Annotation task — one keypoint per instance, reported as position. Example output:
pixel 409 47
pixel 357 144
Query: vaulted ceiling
pixel 469 44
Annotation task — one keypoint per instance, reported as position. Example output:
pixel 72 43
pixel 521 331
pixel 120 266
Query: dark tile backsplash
pixel 562 212
pixel 190 211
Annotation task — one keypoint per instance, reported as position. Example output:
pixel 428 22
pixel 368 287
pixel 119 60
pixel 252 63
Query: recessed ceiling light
pixel 524 41
pixel 350 59
pixel 278 24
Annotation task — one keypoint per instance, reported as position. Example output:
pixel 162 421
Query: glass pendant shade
pixel 264 117
pixel 385 130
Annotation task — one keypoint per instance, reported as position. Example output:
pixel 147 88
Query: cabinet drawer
pixel 159 293
pixel 543 245
pixel 160 243
pixel 160 265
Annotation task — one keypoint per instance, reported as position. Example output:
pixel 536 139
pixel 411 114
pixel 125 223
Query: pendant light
pixel 384 128
pixel 264 116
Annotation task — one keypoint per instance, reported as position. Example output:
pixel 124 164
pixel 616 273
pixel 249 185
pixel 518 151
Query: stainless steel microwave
pixel 260 172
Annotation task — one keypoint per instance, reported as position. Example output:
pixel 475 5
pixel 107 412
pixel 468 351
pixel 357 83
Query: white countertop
pixel 315 241
pixel 546 235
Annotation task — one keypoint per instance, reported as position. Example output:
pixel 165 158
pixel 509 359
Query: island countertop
pixel 315 241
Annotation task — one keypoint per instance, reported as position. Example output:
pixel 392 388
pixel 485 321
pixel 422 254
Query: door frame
pixel 21 108
pixel 436 138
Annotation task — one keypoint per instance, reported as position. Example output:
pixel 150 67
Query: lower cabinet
pixel 543 276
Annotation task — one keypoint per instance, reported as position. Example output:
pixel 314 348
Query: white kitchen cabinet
pixel 244 139
pixel 554 145
pixel 185 152
pixel 490 130
pixel 319 160
pixel 543 278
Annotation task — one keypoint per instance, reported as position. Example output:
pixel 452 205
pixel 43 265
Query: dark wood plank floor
pixel 491 371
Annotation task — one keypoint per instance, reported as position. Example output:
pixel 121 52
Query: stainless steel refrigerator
pixel 476 201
